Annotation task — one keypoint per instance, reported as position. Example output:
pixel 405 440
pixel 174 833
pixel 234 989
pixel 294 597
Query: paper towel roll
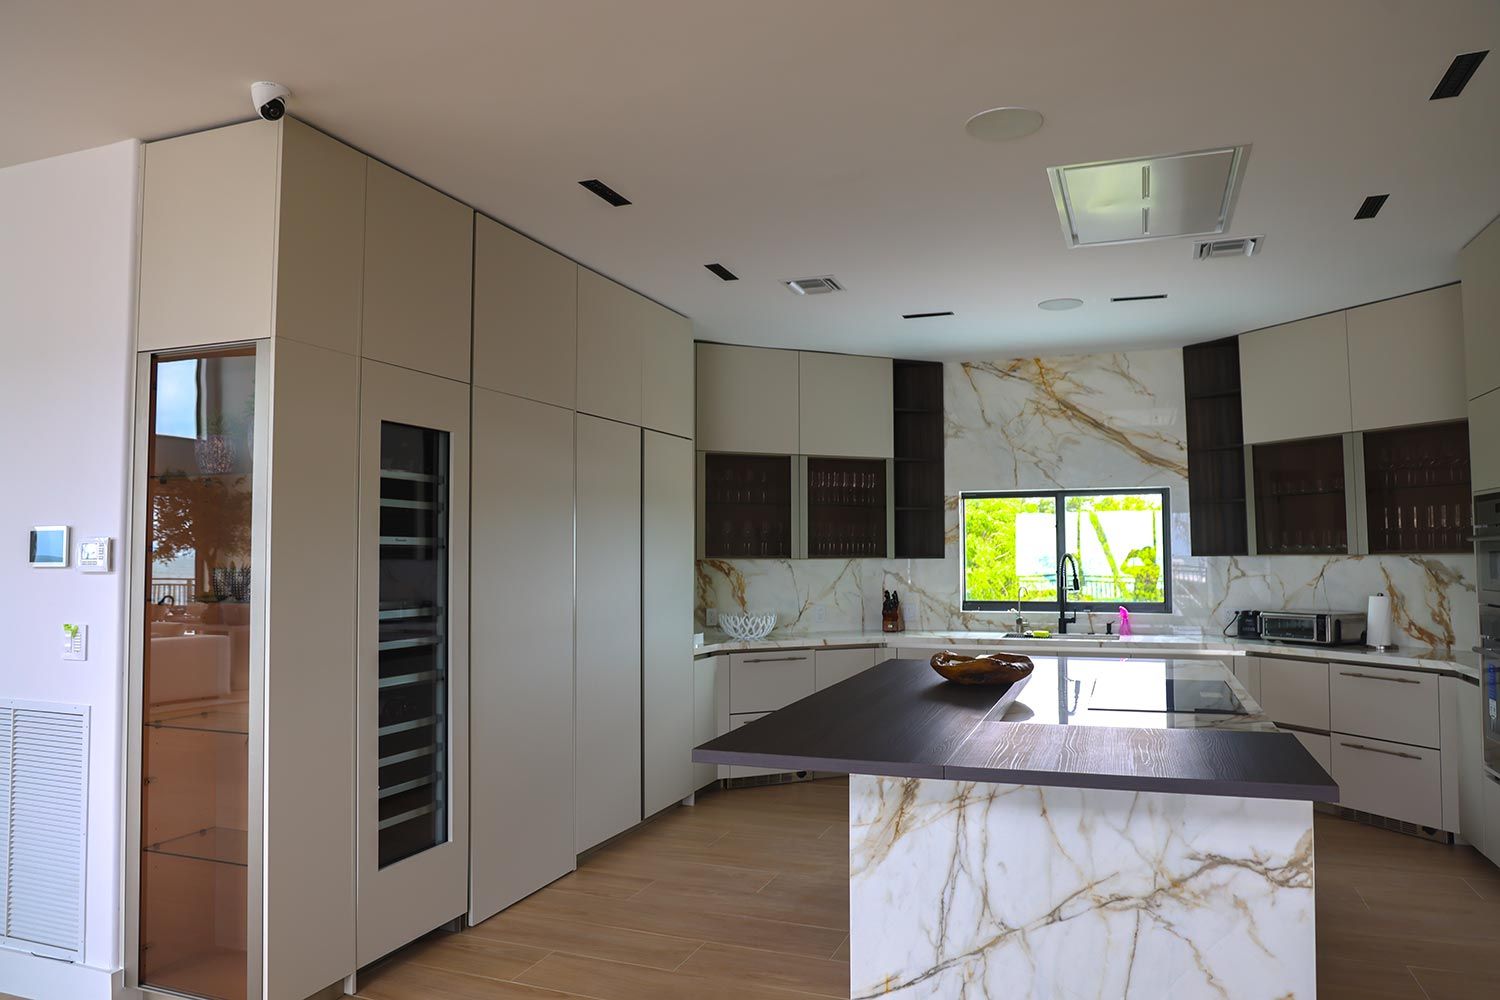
pixel 1378 621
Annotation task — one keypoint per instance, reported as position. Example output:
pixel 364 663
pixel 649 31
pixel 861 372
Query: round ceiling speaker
pixel 1003 124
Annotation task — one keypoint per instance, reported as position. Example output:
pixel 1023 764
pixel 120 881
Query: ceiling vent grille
pixel 722 272
pixel 1371 206
pixel 1244 246
pixel 1457 77
pixel 606 192
pixel 814 286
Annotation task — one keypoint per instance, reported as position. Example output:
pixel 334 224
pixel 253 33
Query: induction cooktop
pixel 1168 695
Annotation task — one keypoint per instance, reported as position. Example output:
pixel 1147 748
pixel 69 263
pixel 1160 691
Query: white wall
pixel 68 235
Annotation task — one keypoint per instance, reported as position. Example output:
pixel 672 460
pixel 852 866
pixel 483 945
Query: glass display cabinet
pixel 200 636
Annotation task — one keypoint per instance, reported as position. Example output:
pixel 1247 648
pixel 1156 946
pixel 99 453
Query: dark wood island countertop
pixel 901 719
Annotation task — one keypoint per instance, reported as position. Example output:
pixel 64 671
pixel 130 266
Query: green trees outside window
pixel 1012 543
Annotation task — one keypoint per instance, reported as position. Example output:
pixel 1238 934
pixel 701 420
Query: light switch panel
pixel 75 642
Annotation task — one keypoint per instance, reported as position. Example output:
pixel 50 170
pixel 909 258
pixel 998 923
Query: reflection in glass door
pixel 412 705
pixel 196 673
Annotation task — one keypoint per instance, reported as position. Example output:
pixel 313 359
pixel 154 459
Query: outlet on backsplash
pixel 710 617
pixel 820 614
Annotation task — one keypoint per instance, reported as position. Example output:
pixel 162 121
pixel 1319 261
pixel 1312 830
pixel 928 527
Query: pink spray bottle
pixel 1124 622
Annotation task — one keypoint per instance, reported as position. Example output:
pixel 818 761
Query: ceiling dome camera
pixel 269 99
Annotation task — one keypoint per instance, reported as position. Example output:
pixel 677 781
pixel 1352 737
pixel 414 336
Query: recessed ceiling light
pixel 1003 124
pixel 1058 305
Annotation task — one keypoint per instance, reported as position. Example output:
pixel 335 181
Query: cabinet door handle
pixel 774 659
pixel 1389 753
pixel 1374 677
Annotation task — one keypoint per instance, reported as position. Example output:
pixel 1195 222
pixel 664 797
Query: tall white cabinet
pixel 666 621
pixel 521 659
pixel 608 789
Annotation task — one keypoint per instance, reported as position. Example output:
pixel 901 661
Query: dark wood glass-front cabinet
pixel 747 506
pixel 1300 503
pixel 1417 488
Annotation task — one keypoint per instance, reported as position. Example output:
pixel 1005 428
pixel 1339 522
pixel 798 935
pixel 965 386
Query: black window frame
pixel 1060 498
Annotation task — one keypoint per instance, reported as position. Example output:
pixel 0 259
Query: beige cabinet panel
pixel 521 659
pixel 418 264
pixel 320 242
pixel 667 372
pixel 1467 744
pixel 845 405
pixel 525 316
pixel 608 533
pixel 1491 845
pixel 611 344
pixel 1389 779
pixel 1294 380
pixel 830 666
pixel 769 679
pixel 1396 705
pixel 208 237
pixel 747 399
pixel 667 711
pixel 710 673
pixel 1295 692
pixel 1406 360
pixel 1484 441
pixel 310 656
pixel 1479 269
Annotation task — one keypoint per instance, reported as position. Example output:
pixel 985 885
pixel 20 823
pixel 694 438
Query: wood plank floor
pixel 745 897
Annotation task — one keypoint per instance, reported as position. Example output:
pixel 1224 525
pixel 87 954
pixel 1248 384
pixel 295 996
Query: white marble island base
pixel 975 890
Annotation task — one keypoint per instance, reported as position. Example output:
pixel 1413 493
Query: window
pixel 1013 543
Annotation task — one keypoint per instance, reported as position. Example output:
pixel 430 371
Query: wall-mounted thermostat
pixel 49 547
pixel 94 555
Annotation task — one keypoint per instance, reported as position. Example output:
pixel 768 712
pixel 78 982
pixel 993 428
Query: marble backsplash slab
pixel 1094 421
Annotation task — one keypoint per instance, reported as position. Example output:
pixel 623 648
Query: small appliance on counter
pixel 1246 624
pixel 891 618
pixel 1314 628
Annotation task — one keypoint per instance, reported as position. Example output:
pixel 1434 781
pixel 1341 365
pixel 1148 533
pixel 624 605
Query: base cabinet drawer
pixel 1396 705
pixel 766 681
pixel 1489 845
pixel 1295 692
pixel 1389 779
pixel 830 666
pixel 1320 746
pixel 740 770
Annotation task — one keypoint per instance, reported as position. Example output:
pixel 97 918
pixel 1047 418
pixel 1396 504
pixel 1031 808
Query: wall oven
pixel 1487 562
pixel 1487 549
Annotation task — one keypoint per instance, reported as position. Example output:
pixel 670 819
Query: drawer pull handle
pixel 1374 677
pixel 1389 753
pixel 775 659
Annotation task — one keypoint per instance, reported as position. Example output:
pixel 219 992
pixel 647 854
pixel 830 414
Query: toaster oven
pixel 1316 628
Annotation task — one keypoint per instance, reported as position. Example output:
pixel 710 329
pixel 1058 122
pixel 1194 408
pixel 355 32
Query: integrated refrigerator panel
pixel 413 730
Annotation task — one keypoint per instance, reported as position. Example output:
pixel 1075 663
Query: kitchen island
pixel 1114 828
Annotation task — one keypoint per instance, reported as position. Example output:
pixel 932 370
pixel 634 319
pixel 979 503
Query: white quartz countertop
pixel 1455 662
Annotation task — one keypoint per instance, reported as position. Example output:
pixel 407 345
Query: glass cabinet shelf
pixel 220 845
pixel 227 719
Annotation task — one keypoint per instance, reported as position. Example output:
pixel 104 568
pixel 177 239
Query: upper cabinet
pixel 418 266
pixel 525 316
pixel 747 400
pixel 635 358
pixel 1294 380
pixel 1479 267
pixel 208 235
pixel 845 405
pixel 1406 360
pixel 249 232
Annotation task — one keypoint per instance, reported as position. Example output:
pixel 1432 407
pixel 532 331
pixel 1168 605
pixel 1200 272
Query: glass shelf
pixel 227 719
pixel 219 845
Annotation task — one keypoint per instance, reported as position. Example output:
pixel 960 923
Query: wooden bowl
pixel 991 668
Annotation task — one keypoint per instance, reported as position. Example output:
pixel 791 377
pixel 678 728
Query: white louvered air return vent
pixel 43 790
pixel 814 286
pixel 1149 198
pixel 1244 246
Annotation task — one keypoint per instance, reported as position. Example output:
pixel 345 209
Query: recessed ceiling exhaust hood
pixel 1148 198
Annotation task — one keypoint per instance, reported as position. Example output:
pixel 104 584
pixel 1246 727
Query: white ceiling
pixel 787 139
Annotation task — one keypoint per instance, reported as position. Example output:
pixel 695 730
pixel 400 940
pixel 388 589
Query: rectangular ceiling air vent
pixel 606 192
pixel 1244 246
pixel 1148 198
pixel 933 315
pixel 722 272
pixel 1371 206
pixel 1457 78
pixel 1138 298
pixel 814 286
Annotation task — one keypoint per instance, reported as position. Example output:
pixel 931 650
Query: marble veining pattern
pixel 972 890
pixel 1093 421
